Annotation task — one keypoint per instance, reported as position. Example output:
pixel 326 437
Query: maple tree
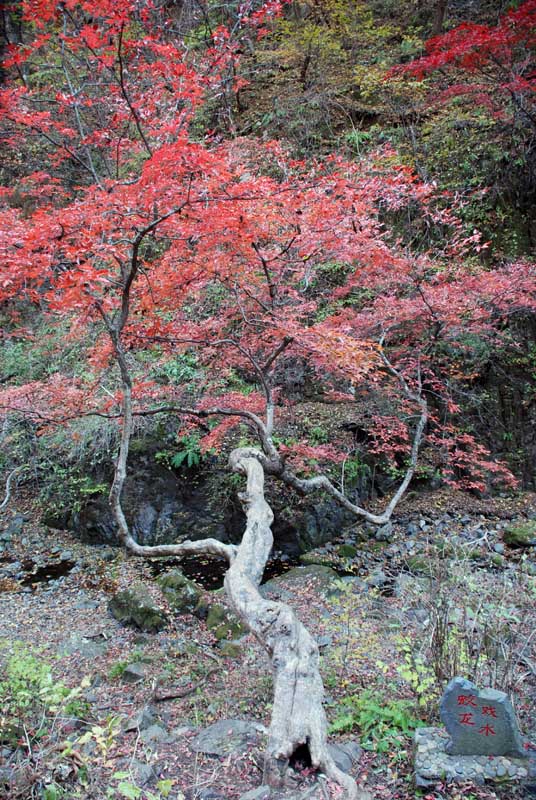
pixel 152 242
pixel 486 75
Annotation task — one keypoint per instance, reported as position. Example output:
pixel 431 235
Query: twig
pixel 184 692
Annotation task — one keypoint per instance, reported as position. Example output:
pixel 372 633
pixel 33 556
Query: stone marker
pixel 480 722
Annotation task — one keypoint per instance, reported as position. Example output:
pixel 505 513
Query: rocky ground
pixel 448 589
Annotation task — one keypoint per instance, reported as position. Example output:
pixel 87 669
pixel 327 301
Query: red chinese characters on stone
pixel 489 711
pixel 466 700
pixel 466 718
pixel 487 730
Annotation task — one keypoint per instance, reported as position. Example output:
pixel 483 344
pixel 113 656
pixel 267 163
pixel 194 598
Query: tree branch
pixel 9 483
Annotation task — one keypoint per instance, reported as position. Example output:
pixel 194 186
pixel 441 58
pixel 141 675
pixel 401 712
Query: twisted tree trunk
pixel 298 716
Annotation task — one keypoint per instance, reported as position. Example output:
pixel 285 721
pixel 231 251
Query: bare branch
pixel 9 483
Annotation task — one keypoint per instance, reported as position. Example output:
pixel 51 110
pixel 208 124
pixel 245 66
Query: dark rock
pixel 141 720
pixel 207 793
pixel 136 607
pixel 14 528
pixel 144 773
pixel 226 737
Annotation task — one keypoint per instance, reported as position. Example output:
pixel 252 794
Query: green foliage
pixel 419 675
pixel 117 669
pixel 381 722
pixel 356 469
pixel 188 453
pixel 318 435
pixel 29 694
pixel 66 490
pixel 177 371
pixel 126 788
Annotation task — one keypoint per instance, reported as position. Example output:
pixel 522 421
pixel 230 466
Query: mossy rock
pixel 136 607
pixel 521 535
pixel 182 594
pixel 223 624
pixel 322 574
pixel 315 558
pixel 419 565
pixel 346 551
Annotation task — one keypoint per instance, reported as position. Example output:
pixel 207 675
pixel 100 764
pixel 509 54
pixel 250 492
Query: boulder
pixel 136 607
pixel 182 594
pixel 224 624
pixel 521 534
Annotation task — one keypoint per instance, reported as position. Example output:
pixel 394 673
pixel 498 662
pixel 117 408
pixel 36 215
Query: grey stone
pixel 433 765
pixel 226 736
pixel 156 734
pixel 345 755
pixel 385 533
pixel 499 548
pixel 377 578
pixel 143 772
pixel 480 722
pixel 14 527
pixel 85 648
pixel 86 604
pixel 134 673
pixel 262 793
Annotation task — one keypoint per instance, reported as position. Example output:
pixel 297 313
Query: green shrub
pixel 381 723
pixel 28 692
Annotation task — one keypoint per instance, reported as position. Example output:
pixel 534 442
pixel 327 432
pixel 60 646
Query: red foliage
pixel 229 259
pixel 501 57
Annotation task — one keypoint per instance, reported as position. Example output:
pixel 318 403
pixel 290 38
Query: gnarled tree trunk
pixel 298 717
